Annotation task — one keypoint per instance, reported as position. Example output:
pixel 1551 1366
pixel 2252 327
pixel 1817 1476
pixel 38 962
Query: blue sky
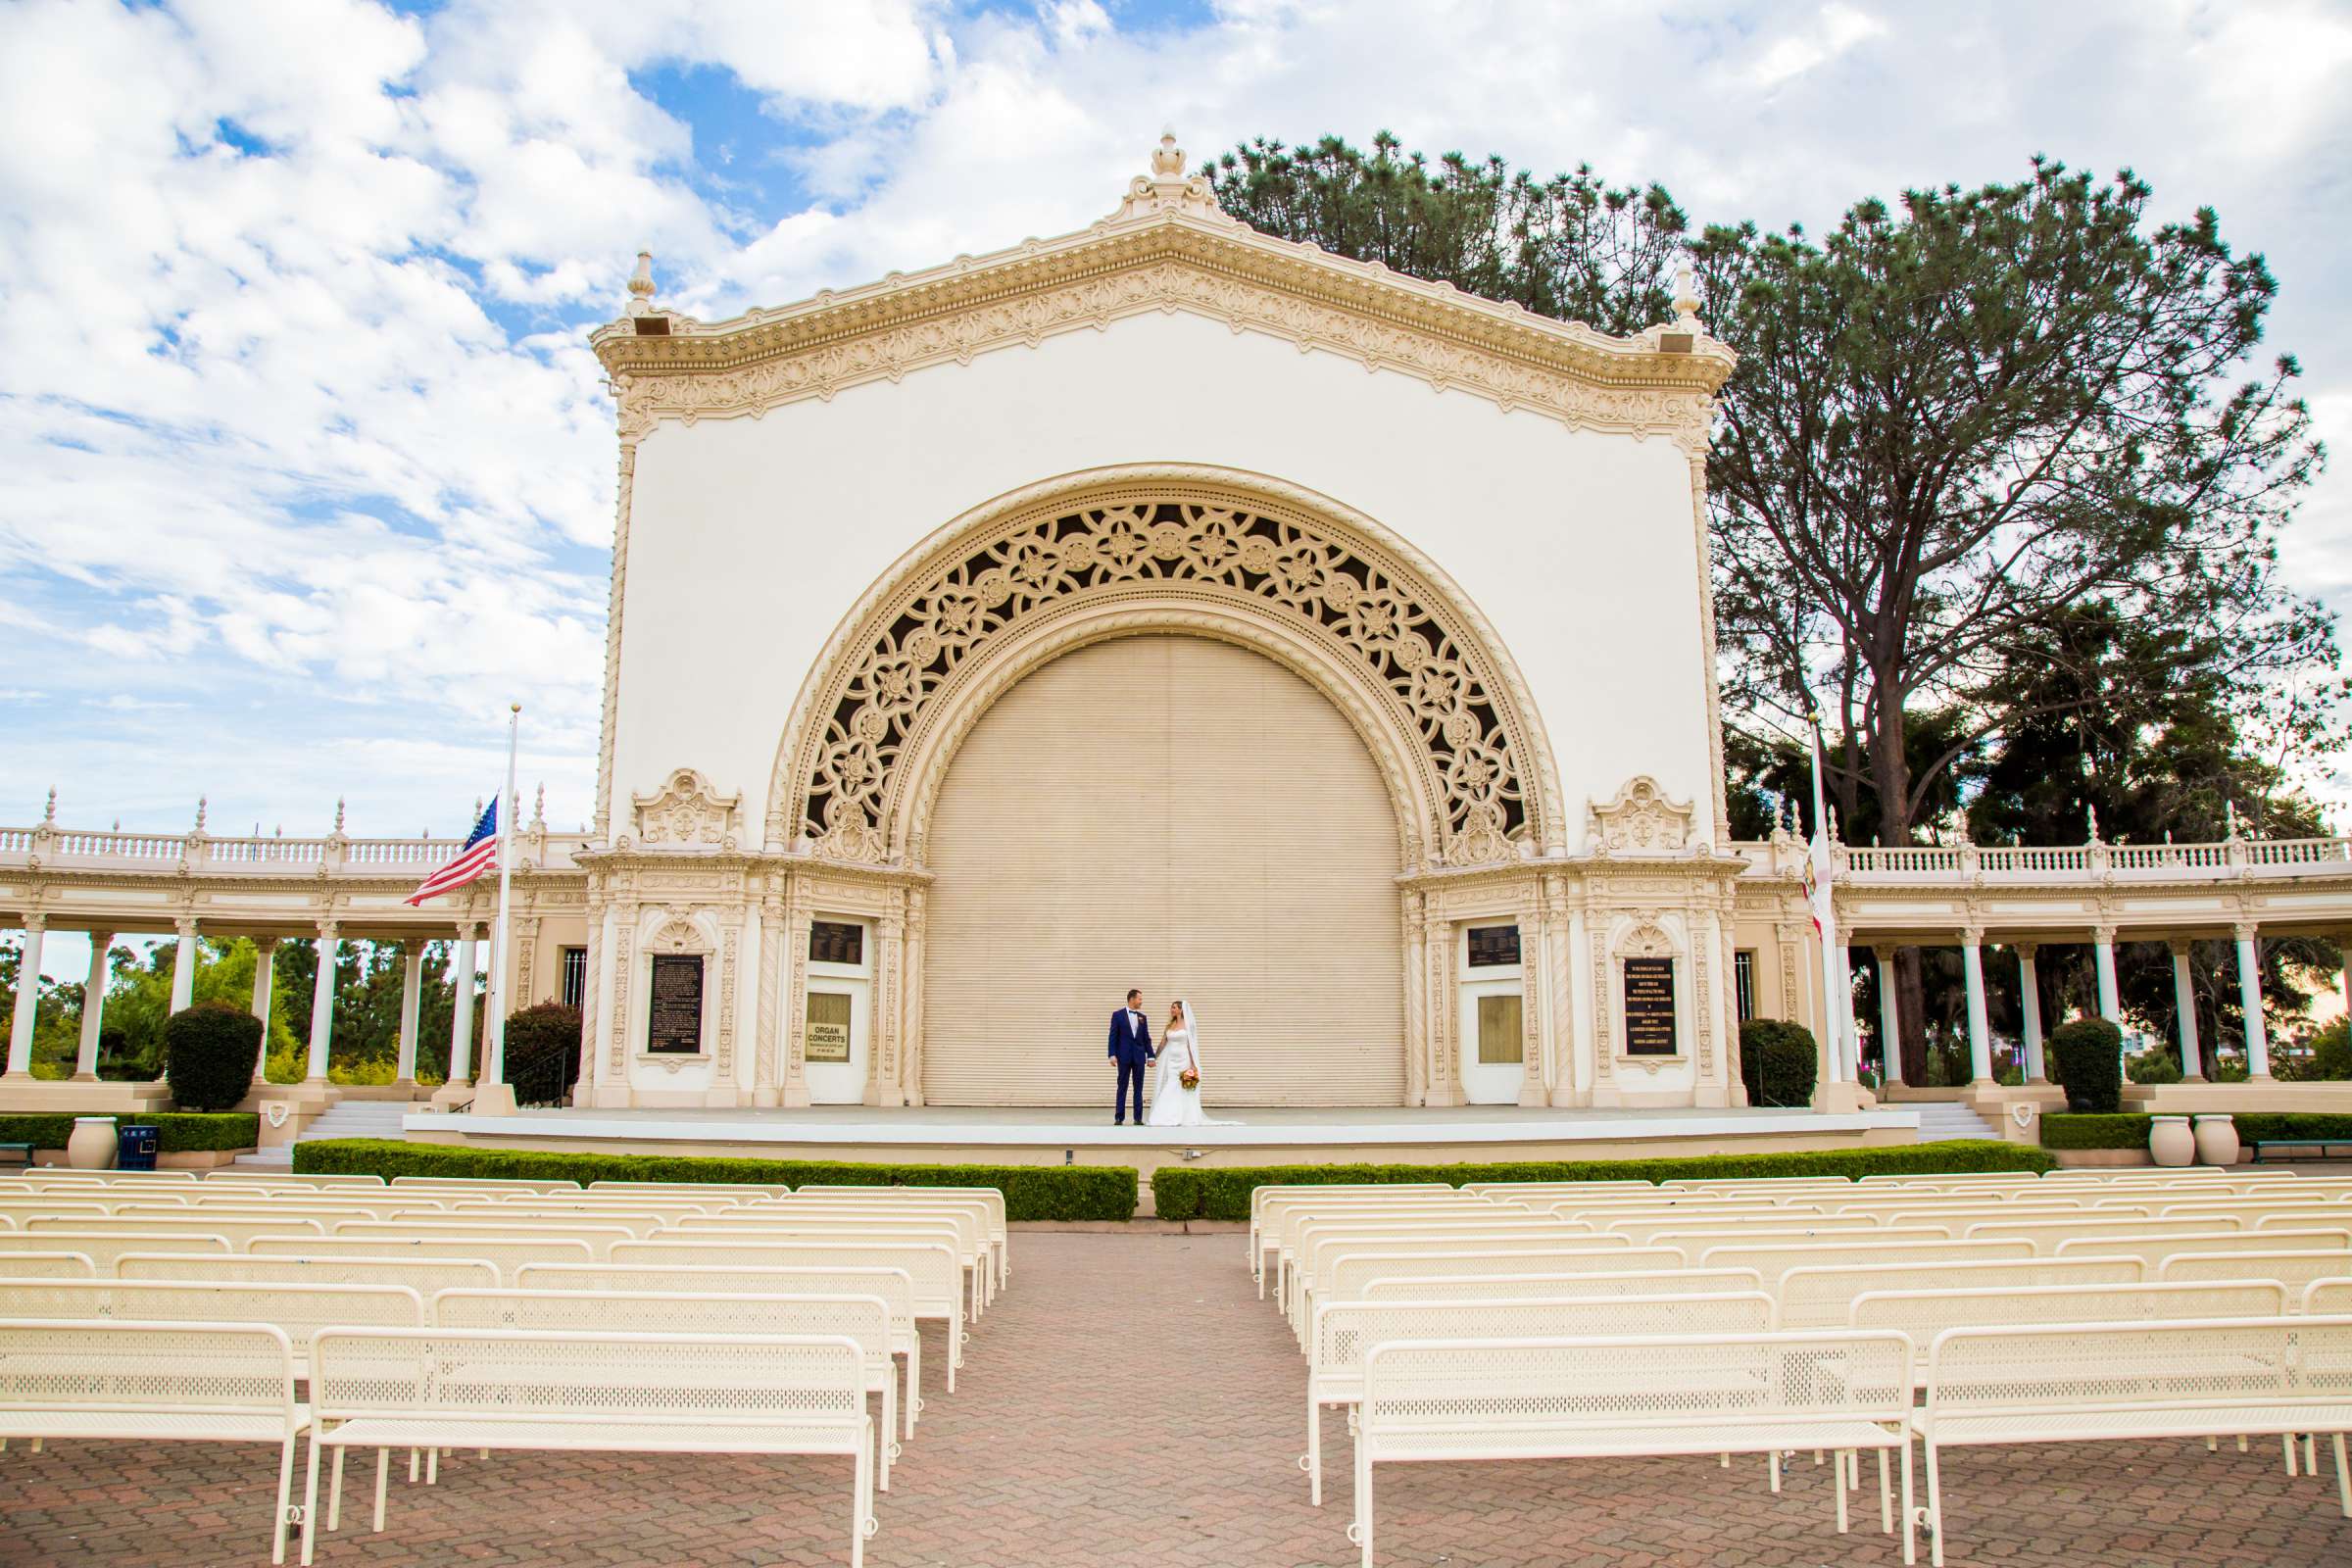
pixel 310 466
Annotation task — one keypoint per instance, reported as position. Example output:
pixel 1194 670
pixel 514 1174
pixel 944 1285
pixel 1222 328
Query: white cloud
pixel 308 437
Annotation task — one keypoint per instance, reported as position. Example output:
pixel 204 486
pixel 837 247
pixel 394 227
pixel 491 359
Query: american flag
pixel 480 856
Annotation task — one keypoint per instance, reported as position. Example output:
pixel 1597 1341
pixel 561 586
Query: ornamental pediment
pixel 688 813
pixel 1641 819
pixel 1168 247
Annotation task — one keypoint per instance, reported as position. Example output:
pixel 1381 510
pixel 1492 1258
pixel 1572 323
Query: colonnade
pixel 468 936
pixel 2110 1007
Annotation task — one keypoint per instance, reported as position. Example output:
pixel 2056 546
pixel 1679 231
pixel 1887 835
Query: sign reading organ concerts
pixel 828 1026
pixel 674 1012
pixel 1649 1006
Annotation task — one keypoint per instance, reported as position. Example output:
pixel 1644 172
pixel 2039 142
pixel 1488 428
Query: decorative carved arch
pixel 1360 614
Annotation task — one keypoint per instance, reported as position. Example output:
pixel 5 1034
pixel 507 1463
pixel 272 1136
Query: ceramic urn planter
pixel 2217 1141
pixel 91 1144
pixel 2170 1141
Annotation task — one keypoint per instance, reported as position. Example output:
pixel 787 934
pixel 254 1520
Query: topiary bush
pixel 543 1053
pixel 209 1054
pixel 2127 1130
pixel 2086 1058
pixel 1779 1062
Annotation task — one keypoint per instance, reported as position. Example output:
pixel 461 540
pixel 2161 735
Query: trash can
pixel 135 1147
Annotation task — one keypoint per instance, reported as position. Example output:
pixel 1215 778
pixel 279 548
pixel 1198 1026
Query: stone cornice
pixel 1657 382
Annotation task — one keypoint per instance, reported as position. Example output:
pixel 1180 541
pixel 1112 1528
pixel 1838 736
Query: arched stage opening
pixel 1181 814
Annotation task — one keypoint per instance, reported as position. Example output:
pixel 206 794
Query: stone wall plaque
pixel 674 1008
pixel 836 942
pixel 1493 946
pixel 1649 1007
pixel 828 1037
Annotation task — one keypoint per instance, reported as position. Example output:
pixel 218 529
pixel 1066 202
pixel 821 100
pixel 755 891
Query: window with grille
pixel 1743 982
pixel 575 977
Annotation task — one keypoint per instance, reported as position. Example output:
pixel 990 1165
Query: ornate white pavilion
pixel 1171 605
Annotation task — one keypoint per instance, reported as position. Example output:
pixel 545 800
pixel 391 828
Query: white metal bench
pixel 1821 1295
pixel 300 1311
pixel 990 1199
pixel 1271 1198
pixel 1346 1332
pixel 894 1286
pixel 1484 1398
pixel 2294 1270
pixel 601 1393
pixel 235 1229
pixel 864 1319
pixel 1353 1272
pixel 961 1229
pixel 599 1238
pixel 505 1254
pixel 2155 1244
pixel 423 1275
pixel 2108 1382
pixel 1411 1287
pixel 102 1248
pixel 933 1266
pixel 155 1382
pixel 1310 1271
pixel 1775 1258
pixel 47 1266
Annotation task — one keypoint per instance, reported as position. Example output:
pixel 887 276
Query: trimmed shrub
pixel 2086 1058
pixel 1778 1061
pixel 2155 1066
pixel 1197 1194
pixel 1031 1191
pixel 209 1053
pixel 177 1131
pixel 2123 1130
pixel 543 1053
pixel 2265 1124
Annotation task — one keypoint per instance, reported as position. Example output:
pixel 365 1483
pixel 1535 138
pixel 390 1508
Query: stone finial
pixel 2229 818
pixel 199 814
pixel 641 286
pixel 339 817
pixel 2092 812
pixel 1834 837
pixel 1686 293
pixel 1167 159
pixel 49 813
pixel 539 808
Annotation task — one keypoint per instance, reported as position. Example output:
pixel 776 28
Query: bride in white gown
pixel 1172 1104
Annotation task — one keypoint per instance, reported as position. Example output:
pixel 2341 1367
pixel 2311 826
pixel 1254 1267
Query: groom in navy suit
pixel 1131 1049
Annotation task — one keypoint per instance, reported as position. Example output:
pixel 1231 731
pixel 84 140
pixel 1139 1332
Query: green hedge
pixel 1196 1193
pixel 2090 1130
pixel 2262 1124
pixel 2130 1131
pixel 180 1132
pixel 1031 1191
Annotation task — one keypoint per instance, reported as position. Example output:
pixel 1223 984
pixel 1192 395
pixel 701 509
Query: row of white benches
pixel 425 1330
pixel 1486 1324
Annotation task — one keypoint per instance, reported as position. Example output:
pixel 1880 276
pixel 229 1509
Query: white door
pixel 835 1030
pixel 1490 1028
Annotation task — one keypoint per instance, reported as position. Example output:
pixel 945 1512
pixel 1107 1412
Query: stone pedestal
pixel 493 1099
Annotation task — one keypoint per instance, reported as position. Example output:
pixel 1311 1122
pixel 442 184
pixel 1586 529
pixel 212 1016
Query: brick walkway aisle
pixel 1130 1402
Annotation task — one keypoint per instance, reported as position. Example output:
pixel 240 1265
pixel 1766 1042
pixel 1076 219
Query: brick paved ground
pixel 1130 1401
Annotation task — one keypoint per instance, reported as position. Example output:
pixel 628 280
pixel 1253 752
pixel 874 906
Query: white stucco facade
pixel 1477 532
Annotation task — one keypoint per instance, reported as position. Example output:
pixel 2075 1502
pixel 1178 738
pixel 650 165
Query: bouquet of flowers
pixel 1189 1078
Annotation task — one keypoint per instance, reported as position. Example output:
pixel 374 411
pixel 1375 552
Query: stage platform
pixel 1065 1135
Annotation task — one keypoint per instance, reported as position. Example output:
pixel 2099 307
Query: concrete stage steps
pixel 348 1118
pixel 1943 1121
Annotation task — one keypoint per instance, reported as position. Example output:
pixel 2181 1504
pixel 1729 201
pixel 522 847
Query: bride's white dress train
pixel 1173 1104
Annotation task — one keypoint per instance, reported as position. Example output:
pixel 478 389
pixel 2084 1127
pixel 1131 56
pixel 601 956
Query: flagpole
pixel 1836 1020
pixel 494 1027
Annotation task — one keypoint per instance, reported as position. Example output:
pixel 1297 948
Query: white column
pixel 2102 956
pixel 2249 1001
pixel 2028 986
pixel 265 970
pixel 1890 1017
pixel 411 998
pixel 461 1022
pixel 183 967
pixel 29 998
pixel 93 1007
pixel 2184 1001
pixel 322 1002
pixel 1979 1031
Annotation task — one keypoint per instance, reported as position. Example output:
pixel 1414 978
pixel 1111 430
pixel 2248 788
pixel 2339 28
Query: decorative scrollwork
pixel 1357 605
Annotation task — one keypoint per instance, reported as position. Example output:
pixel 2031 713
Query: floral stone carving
pixel 1641 820
pixel 1364 611
pixel 688 813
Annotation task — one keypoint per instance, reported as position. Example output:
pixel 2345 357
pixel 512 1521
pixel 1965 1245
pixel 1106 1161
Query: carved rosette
pixel 1357 604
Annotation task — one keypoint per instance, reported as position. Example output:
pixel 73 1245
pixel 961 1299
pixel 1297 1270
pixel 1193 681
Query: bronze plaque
pixel 1493 946
pixel 1649 1006
pixel 675 1010
pixel 828 1036
pixel 836 942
